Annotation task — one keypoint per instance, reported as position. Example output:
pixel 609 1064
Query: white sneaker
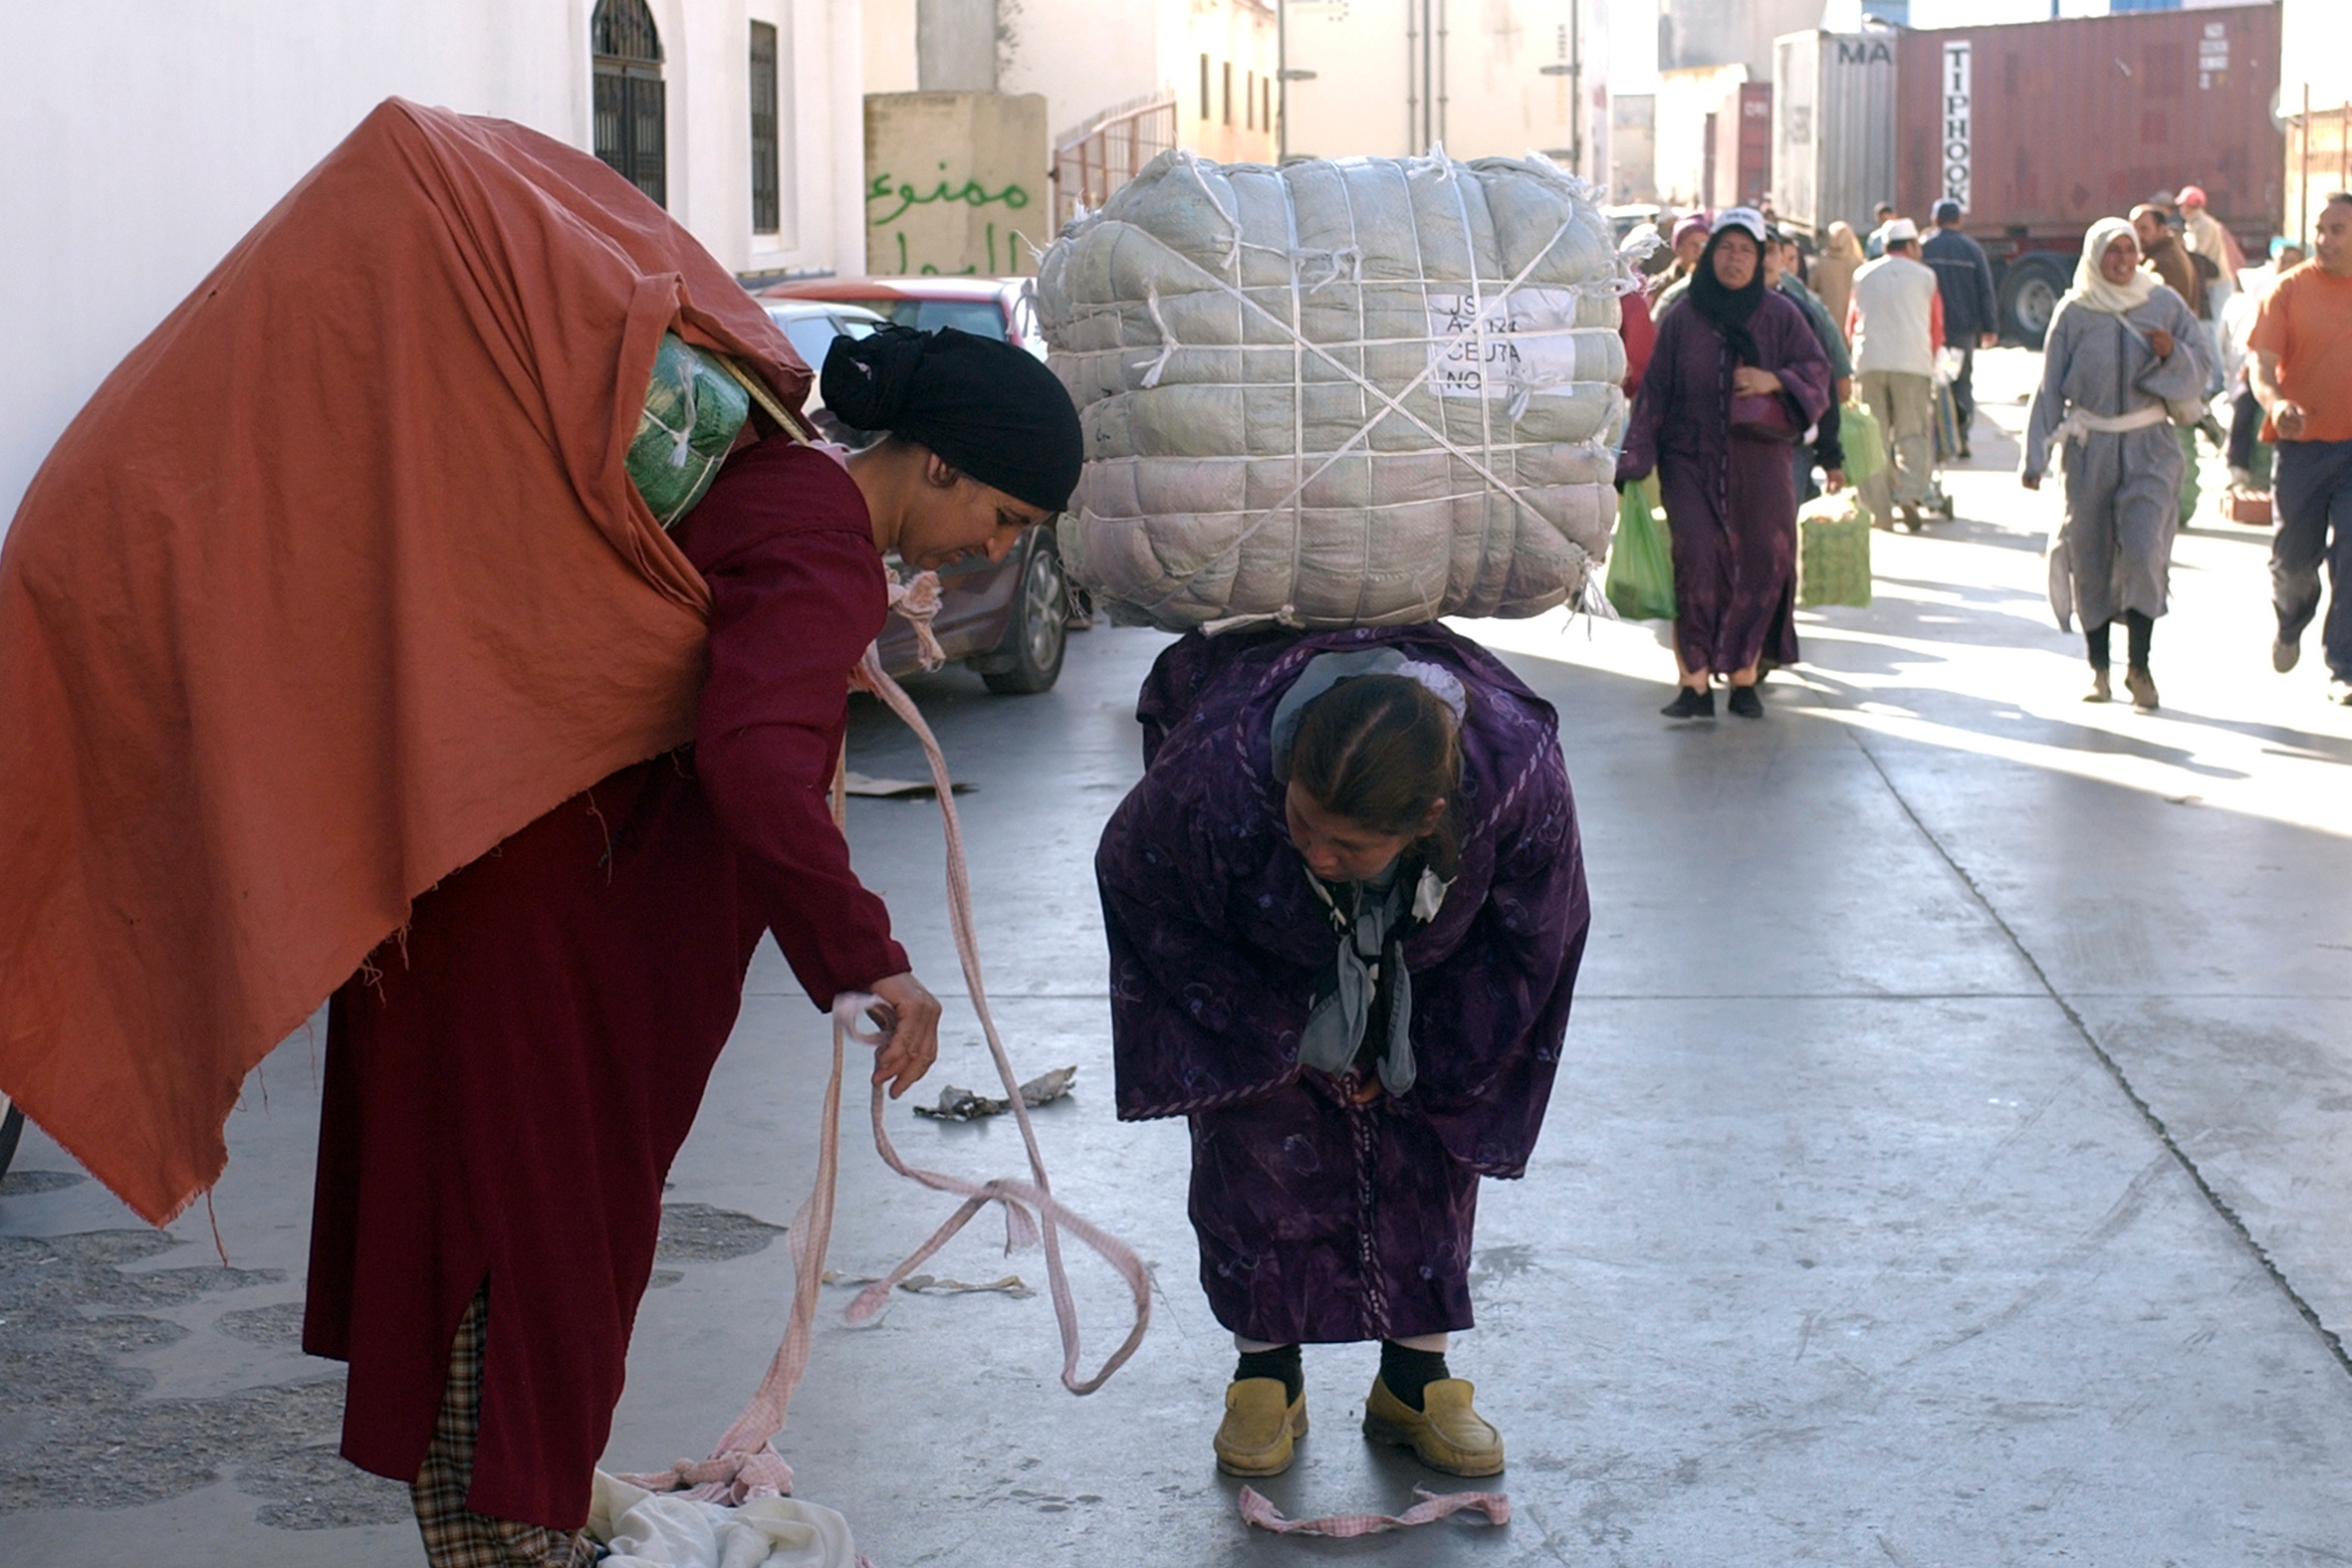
pixel 2283 654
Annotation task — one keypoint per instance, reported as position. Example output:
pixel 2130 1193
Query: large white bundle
pixel 1360 392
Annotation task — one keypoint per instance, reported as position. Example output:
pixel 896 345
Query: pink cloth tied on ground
pixel 1434 1507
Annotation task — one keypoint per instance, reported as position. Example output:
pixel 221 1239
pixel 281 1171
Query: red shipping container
pixel 2040 128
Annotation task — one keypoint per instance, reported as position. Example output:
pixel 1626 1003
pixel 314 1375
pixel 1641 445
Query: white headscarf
pixel 2092 288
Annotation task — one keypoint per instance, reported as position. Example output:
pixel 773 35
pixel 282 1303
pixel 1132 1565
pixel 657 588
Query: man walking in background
pixel 2302 376
pixel 2202 234
pixel 2166 257
pixel 1972 317
pixel 1880 216
pixel 1897 325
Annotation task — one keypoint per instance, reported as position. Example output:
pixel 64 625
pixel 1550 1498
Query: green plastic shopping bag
pixel 1641 565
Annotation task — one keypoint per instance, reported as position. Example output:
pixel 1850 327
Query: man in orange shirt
pixel 2302 376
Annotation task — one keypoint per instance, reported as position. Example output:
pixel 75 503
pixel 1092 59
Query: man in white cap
pixel 1896 323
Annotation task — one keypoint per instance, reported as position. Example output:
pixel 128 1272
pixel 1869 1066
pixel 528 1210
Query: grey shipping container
pixel 1834 128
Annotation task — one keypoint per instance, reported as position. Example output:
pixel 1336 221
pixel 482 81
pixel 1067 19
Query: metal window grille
pixel 1108 151
pixel 1228 92
pixel 1204 86
pixel 631 111
pixel 767 201
pixel 1249 102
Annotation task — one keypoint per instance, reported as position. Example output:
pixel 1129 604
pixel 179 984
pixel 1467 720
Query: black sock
pixel 1280 1362
pixel 1407 1372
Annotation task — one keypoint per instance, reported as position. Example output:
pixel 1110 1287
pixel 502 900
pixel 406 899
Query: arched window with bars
pixel 629 105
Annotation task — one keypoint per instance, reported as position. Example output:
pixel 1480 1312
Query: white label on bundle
pixel 1528 345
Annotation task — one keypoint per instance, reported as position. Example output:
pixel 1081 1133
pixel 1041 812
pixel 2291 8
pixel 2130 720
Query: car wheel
pixel 12 1128
pixel 1038 633
pixel 2030 292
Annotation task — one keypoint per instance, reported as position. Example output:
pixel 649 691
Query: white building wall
pixel 1518 76
pixel 1081 55
pixel 2316 50
pixel 150 138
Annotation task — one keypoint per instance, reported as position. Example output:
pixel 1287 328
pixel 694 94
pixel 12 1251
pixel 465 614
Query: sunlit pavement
pixel 1950 1165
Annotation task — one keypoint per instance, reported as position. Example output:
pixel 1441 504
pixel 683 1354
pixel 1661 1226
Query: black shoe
pixel 1689 703
pixel 1745 703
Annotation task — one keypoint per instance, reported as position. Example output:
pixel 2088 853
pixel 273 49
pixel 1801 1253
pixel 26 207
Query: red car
pixel 1008 621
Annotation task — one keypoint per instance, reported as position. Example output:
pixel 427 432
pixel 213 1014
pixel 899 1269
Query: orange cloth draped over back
pixel 338 580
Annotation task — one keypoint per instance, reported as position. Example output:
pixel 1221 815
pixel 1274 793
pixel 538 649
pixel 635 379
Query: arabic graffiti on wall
pixel 890 200
pixel 955 183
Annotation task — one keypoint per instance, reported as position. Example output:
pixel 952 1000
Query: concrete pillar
pixel 956 46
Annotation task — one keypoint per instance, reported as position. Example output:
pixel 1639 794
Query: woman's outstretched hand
pixel 914 1033
pixel 1749 381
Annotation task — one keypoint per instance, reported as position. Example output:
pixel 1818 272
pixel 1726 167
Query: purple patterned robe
pixel 1319 1219
pixel 1731 504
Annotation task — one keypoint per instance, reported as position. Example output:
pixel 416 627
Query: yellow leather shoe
pixel 1445 1433
pixel 1260 1426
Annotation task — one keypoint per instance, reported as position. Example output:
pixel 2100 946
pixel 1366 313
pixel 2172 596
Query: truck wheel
pixel 2029 290
pixel 1038 631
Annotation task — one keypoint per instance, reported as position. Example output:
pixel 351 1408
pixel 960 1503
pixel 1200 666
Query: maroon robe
pixel 1731 504
pixel 507 1079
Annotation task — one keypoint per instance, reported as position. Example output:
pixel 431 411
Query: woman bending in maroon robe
pixel 1736 378
pixel 508 1080
pixel 1346 907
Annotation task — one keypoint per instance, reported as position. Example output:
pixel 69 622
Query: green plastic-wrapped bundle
pixel 693 411
pixel 1833 553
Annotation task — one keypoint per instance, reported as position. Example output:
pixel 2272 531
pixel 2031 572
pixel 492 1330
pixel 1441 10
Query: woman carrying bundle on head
pixel 2122 350
pixel 509 1077
pixel 1736 380
pixel 1345 908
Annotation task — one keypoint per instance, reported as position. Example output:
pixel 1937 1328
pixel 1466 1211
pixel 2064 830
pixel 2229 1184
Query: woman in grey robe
pixel 2123 354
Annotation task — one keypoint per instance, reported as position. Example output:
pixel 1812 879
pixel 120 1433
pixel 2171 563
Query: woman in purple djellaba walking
pixel 1736 379
pixel 1345 908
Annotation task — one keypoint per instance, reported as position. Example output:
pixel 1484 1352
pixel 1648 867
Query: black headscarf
pixel 1727 308
pixel 989 409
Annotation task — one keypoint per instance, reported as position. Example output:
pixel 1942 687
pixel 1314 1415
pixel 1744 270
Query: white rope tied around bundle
pixel 743 1464
pixel 681 436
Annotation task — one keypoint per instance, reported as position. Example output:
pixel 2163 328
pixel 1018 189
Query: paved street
pixel 1952 1160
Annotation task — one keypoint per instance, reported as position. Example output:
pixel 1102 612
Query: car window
pixel 980 317
pixel 811 336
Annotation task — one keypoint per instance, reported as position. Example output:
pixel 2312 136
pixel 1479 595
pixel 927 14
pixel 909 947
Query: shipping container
pixel 2040 128
pixel 1833 128
pixel 1740 148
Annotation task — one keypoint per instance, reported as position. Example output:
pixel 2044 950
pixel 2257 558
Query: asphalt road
pixel 1951 1164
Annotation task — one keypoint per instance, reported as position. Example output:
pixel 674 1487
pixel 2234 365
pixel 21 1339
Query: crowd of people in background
pixel 2165 317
